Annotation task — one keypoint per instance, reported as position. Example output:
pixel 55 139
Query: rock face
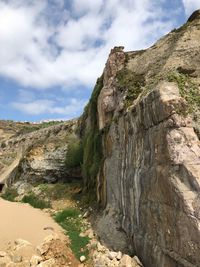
pixel 38 155
pixel 147 119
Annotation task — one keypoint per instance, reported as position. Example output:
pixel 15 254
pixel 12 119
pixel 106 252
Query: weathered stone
pixel 112 255
pixel 149 176
pixel 119 255
pixel 100 248
pixel 126 261
pixel 82 258
pixel 35 260
pixel 36 156
pixel 17 258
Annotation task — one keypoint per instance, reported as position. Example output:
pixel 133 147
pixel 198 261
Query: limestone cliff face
pixel 37 156
pixel 147 120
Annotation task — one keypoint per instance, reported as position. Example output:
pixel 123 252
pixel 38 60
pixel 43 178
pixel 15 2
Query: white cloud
pixel 43 106
pixel 190 6
pixel 44 45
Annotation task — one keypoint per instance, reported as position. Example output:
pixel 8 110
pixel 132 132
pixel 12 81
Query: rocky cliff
pixel 33 154
pixel 142 151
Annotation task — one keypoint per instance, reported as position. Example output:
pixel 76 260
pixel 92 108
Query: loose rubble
pixel 103 257
pixel 53 252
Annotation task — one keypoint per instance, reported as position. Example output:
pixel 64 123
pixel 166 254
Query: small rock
pixel 43 248
pixel 82 258
pixel 125 261
pixel 86 214
pixel 17 258
pixel 82 234
pixel 112 255
pixel 119 255
pixel 35 260
pixel 100 248
pixel 90 233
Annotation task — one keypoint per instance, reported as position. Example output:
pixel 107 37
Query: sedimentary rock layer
pixel 147 120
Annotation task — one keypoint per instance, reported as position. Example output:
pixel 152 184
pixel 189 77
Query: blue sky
pixel 52 51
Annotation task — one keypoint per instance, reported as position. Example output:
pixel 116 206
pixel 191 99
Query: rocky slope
pixel 38 155
pixel 142 151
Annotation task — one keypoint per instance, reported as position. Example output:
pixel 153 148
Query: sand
pixel 18 220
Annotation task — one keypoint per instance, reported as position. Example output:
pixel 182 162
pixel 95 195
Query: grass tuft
pixel 10 194
pixel 36 202
pixel 72 223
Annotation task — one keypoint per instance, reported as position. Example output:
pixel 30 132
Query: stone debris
pixel 53 252
pixel 82 258
pixel 103 257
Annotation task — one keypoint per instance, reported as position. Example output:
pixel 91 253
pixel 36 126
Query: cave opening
pixel 1 187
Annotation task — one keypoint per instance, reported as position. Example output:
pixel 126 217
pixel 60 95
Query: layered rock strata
pixel 38 156
pixel 147 121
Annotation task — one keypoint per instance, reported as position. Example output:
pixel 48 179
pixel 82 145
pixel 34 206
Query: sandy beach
pixel 19 220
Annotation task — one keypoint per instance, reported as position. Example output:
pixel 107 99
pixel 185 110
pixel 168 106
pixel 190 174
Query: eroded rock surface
pixel 38 155
pixel 148 180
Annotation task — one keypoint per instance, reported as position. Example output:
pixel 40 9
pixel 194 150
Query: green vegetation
pixel 74 157
pixel 71 222
pixel 59 190
pixel 10 194
pixel 36 202
pixel 29 127
pixel 188 90
pixel 92 143
pixel 132 83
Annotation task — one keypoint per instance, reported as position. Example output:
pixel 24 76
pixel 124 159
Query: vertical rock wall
pixel 149 178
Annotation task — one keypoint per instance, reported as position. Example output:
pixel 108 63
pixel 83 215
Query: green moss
pixel 92 142
pixel 132 83
pixel 71 222
pixel 188 90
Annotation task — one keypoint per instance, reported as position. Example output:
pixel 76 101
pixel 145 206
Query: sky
pixel 52 51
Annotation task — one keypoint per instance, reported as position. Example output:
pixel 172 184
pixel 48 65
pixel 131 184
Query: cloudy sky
pixel 52 51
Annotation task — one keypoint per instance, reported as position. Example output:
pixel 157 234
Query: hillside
pixel 35 154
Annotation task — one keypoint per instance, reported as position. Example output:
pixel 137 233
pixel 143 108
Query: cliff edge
pixel 141 142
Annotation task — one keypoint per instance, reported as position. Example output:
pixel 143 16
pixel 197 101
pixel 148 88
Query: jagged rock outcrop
pixel 142 126
pixel 38 155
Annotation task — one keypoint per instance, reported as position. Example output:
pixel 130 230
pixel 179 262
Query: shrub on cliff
pixel 74 156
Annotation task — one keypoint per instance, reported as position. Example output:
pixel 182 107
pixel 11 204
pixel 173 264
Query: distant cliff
pixel 33 154
pixel 141 144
